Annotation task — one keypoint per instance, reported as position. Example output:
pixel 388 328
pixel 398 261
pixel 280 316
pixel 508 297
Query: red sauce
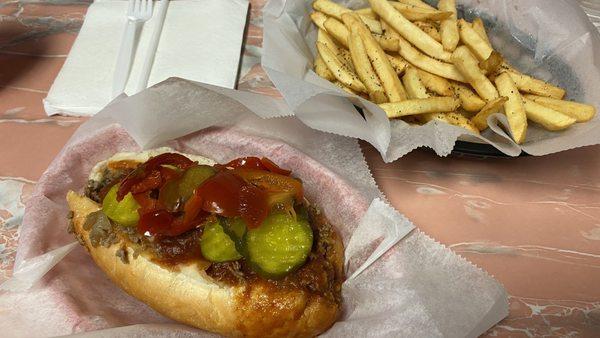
pixel 245 187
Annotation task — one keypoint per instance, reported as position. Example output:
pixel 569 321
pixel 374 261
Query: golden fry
pixel 579 111
pixel 365 70
pixel 493 64
pixel 324 38
pixel 420 60
pixel 408 30
pixel 453 118
pixel 319 19
pixel 367 11
pixel 388 43
pixel 416 3
pixel 413 85
pixel 388 31
pixel 391 37
pixel 474 41
pixel 492 107
pixel 420 106
pixel 479 27
pixel 341 33
pixel 466 63
pixel 340 71
pixel 549 118
pixel 398 63
pixel 322 70
pixel 330 8
pixel 336 10
pixel 429 29
pixel 513 108
pixel 338 31
pixel 531 85
pixel 449 27
pixel 342 54
pixel 469 101
pixel 436 84
pixel 413 13
pixel 389 79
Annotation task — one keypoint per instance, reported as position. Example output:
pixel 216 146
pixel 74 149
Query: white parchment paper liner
pixel 416 288
pixel 552 40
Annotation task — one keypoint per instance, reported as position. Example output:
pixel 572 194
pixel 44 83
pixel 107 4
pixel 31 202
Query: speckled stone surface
pixel 533 223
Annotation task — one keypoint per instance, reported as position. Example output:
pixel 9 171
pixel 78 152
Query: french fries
pixel 492 107
pixel 398 63
pixel 322 70
pixel 413 13
pixel 474 41
pixel 336 10
pixel 319 19
pixel 513 108
pixel 389 79
pixel 420 64
pixel 341 72
pixel 420 106
pixel 492 64
pixel 337 30
pixel 420 60
pixel 469 101
pixel 368 12
pixel 413 85
pixel 468 66
pixel 416 3
pixel 341 33
pixel 364 69
pixel 408 30
pixel 430 29
pixel 325 38
pixel 436 84
pixel 528 84
pixel 449 27
pixel 579 111
pixel 547 117
pixel 479 27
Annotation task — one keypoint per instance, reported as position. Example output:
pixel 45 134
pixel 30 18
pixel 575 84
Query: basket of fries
pixel 517 75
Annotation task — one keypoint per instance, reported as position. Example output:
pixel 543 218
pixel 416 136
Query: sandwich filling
pixel 243 223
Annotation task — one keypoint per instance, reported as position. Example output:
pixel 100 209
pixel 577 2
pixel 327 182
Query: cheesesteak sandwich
pixel 234 249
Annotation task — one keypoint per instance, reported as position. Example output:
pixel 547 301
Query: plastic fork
pixel 139 11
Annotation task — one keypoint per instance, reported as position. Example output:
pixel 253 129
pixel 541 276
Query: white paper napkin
pixel 201 40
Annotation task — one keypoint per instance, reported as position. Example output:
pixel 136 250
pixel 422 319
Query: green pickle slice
pixel 216 246
pixel 192 178
pixel 174 193
pixel 123 212
pixel 280 245
pixel 235 228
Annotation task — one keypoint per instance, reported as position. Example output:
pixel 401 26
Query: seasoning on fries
pixel 420 63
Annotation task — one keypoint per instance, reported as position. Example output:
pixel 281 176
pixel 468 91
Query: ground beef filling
pixel 321 274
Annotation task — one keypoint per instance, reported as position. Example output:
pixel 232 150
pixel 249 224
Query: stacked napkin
pixel 200 41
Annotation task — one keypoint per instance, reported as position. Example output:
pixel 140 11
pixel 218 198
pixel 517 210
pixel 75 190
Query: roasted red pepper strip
pixel 229 195
pixel 257 163
pixel 272 167
pixel 271 182
pixel 147 169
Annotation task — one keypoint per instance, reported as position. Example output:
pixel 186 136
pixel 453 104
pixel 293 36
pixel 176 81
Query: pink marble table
pixel 533 223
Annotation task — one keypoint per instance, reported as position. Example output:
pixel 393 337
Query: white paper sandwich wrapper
pixel 201 40
pixel 552 40
pixel 414 287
